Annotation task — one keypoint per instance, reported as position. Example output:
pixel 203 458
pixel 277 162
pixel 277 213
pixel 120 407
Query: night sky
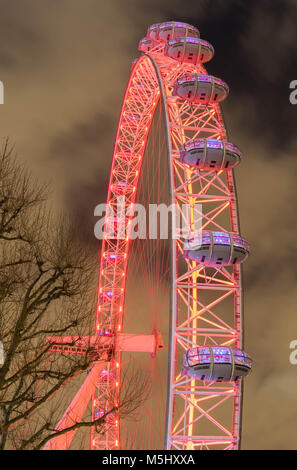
pixel 65 65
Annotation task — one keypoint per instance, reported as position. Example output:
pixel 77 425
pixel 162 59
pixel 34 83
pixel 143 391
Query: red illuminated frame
pixel 193 419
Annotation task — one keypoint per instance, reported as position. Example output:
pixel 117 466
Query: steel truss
pixel 206 303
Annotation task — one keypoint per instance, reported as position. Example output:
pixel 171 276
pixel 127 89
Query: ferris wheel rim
pixel 172 308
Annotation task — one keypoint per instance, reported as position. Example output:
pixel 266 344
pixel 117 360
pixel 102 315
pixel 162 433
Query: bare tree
pixel 47 288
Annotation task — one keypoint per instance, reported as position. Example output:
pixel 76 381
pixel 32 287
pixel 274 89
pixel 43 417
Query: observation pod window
pixel 214 144
pixel 240 242
pixel 233 148
pixel 220 82
pixel 204 78
pixel 205 238
pixel 222 355
pixel 192 144
pixel 203 355
pixel 153 28
pixel 221 238
pixel 186 78
pixel 198 356
pixel 241 358
pixel 162 32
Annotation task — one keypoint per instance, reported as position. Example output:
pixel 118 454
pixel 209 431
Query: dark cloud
pixel 22 43
pixel 93 133
pixel 81 201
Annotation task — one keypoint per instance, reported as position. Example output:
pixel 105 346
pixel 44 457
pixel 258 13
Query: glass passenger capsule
pixel 216 248
pixel 216 363
pixel 198 88
pixel 189 50
pixel 162 32
pixel 130 120
pixel 107 297
pixel 210 154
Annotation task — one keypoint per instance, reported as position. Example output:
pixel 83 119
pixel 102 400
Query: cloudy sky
pixel 65 65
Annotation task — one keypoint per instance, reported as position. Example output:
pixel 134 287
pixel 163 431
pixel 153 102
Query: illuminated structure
pixel 206 291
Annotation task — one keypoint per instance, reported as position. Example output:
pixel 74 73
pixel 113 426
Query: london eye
pixel 173 303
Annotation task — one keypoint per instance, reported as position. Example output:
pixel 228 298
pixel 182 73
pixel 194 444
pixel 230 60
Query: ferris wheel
pixel 170 303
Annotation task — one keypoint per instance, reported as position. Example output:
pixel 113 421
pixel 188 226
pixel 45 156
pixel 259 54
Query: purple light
pixel 109 295
pixel 198 143
pixel 233 148
pixel 221 238
pixel 104 333
pixel 180 40
pixel 113 257
pixel 192 40
pixel 186 78
pixel 204 78
pixel 221 355
pixel 213 143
